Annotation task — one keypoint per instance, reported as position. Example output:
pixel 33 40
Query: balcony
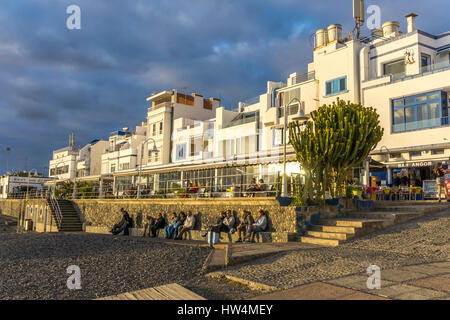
pixel 160 105
pixel 418 125
pixel 304 77
pixel 400 76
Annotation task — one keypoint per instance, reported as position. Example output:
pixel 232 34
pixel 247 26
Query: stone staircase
pixel 70 219
pixel 332 232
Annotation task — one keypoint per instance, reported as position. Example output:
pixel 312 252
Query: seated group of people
pixel 179 224
pixel 246 226
pixel 182 223
pixel 254 187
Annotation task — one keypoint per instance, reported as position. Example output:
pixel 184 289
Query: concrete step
pixel 329 235
pixel 414 208
pixel 348 230
pixel 320 241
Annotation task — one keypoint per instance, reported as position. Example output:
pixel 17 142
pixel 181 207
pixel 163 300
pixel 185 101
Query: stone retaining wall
pixel 106 213
pixel 37 210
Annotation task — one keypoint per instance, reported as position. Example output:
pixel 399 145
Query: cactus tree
pixel 339 138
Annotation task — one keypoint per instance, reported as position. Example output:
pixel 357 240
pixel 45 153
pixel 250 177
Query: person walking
pixel 440 180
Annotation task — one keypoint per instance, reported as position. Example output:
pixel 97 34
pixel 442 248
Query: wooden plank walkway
pixel 171 291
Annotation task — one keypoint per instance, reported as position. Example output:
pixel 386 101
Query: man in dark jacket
pixel 219 226
pixel 123 225
pixel 158 223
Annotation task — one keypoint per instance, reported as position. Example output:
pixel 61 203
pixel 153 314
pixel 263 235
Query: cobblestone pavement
pixel 34 266
pixel 422 240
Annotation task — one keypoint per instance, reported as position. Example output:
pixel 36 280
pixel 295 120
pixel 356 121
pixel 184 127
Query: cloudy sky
pixel 92 81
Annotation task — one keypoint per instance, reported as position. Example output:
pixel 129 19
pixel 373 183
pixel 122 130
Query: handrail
pixel 56 209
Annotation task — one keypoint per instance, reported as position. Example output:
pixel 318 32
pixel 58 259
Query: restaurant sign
pixel 417 164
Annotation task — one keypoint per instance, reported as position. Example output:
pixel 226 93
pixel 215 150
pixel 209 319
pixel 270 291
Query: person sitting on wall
pixel 123 225
pixel 229 222
pixel 148 225
pixel 219 226
pixel 246 221
pixel 158 223
pixel 188 225
pixel 171 227
pixel 181 220
pixel 259 226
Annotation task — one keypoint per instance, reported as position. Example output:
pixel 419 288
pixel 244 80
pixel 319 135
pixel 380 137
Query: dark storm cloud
pixel 54 81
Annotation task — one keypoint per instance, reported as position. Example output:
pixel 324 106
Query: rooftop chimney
pixel 411 19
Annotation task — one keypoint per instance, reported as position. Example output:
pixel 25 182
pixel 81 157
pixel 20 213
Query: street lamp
pixel 389 171
pixel 301 117
pixel 138 196
pixel 56 173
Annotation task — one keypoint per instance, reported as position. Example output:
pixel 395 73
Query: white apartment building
pixel 187 138
pixel 68 163
pixel 406 77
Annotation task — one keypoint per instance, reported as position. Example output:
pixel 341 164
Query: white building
pixel 187 138
pixel 15 186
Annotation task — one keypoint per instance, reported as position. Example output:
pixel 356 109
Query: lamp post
pixel 56 173
pixel 138 196
pixel 299 116
pixel 74 192
pixel 389 171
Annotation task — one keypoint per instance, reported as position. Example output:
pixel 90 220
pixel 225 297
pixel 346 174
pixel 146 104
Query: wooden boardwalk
pixel 171 291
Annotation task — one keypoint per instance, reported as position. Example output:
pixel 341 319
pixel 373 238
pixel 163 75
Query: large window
pixel 181 151
pixel 396 68
pixel 419 112
pixel 336 86
pixel 277 137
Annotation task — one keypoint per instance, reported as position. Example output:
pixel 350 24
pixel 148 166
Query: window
pixel 160 127
pixel 425 62
pixel 395 155
pixel 395 68
pixel 415 154
pixel 291 94
pixel 154 129
pixel 420 112
pixel 336 86
pixel 277 137
pixel 124 166
pixel 180 151
pixel 437 151
pixel 113 168
pixel 156 156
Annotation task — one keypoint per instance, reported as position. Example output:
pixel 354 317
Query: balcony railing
pixel 251 101
pixel 423 124
pixel 304 77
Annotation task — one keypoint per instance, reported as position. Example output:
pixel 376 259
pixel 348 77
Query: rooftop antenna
pixel 358 15
pixel 72 141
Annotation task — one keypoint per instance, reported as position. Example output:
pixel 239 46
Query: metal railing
pixel 225 185
pixel 304 77
pixel 56 210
